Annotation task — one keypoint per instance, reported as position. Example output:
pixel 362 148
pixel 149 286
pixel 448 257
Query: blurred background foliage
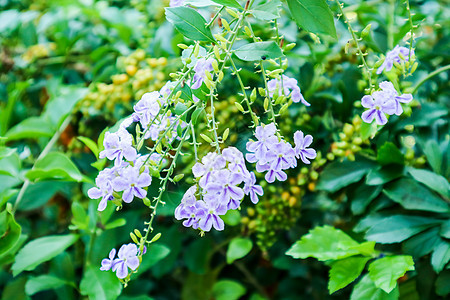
pixel 83 64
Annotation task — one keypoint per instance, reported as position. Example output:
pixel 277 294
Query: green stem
pixel 215 17
pixel 432 74
pixel 44 152
pixel 390 31
pixel 355 40
pixel 162 189
pixel 411 38
pixel 214 127
pixel 194 142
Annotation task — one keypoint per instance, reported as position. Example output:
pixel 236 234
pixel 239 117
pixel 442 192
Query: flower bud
pixel 134 238
pixel 253 95
pixel 225 134
pixel 182 46
pixel 216 52
pixel 232 12
pixel 262 92
pixel 226 25
pixel 239 106
pixel 366 31
pixel 137 233
pixel 206 138
pixel 156 237
pixel 178 177
pixel 266 103
pixel 289 47
pixel 215 66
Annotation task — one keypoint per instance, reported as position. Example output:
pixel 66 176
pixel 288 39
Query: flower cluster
pixel 274 155
pixel 218 189
pixel 287 85
pixel 385 101
pixel 129 178
pixel 147 113
pixel 127 258
pixel 395 55
pixel 202 66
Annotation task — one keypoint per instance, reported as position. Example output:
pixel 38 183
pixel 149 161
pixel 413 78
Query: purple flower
pixel 253 189
pixel 132 183
pixel 147 108
pixel 394 56
pixel 224 188
pixel 211 162
pixel 212 219
pixel 281 156
pixel 388 89
pixel 201 67
pixel 290 88
pixel 103 190
pixel 192 213
pixel 379 104
pixel 107 264
pixel 118 145
pixel 301 142
pixel 266 138
pixel 127 259
pixel 175 3
pixel 236 161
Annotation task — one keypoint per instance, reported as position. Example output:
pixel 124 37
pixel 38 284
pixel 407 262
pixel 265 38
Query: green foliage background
pixel 68 69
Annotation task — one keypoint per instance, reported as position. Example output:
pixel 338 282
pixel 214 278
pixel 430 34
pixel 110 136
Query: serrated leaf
pixel 385 271
pixel 41 250
pixel 412 195
pixel 313 15
pixel 238 248
pixel 366 289
pixel 324 243
pixel 189 23
pixel 398 228
pixel 258 51
pixel 345 271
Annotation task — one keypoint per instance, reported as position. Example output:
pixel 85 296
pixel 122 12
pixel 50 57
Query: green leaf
pixel 155 253
pixel 398 228
pixel 189 23
pixel 445 229
pixel 116 223
pixel 423 243
pixel 362 196
pixel 442 286
pixel 434 155
pixel 440 256
pixel 366 289
pixel 9 230
pixel 33 127
pixel 196 114
pixel 80 218
pixel 413 195
pixel 324 243
pixel 368 130
pixel 42 283
pixel 197 256
pixel 99 285
pixel 385 271
pixel 180 108
pixel 313 15
pixel 389 154
pixel 55 165
pixel 383 175
pixel 341 174
pixel 238 248
pixel 90 144
pixel 229 3
pixel 41 250
pixel 228 290
pixel 232 217
pixel 267 11
pixel 432 180
pixel 345 271
pixel 258 51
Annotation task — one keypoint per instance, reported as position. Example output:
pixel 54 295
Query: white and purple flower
pixel 289 87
